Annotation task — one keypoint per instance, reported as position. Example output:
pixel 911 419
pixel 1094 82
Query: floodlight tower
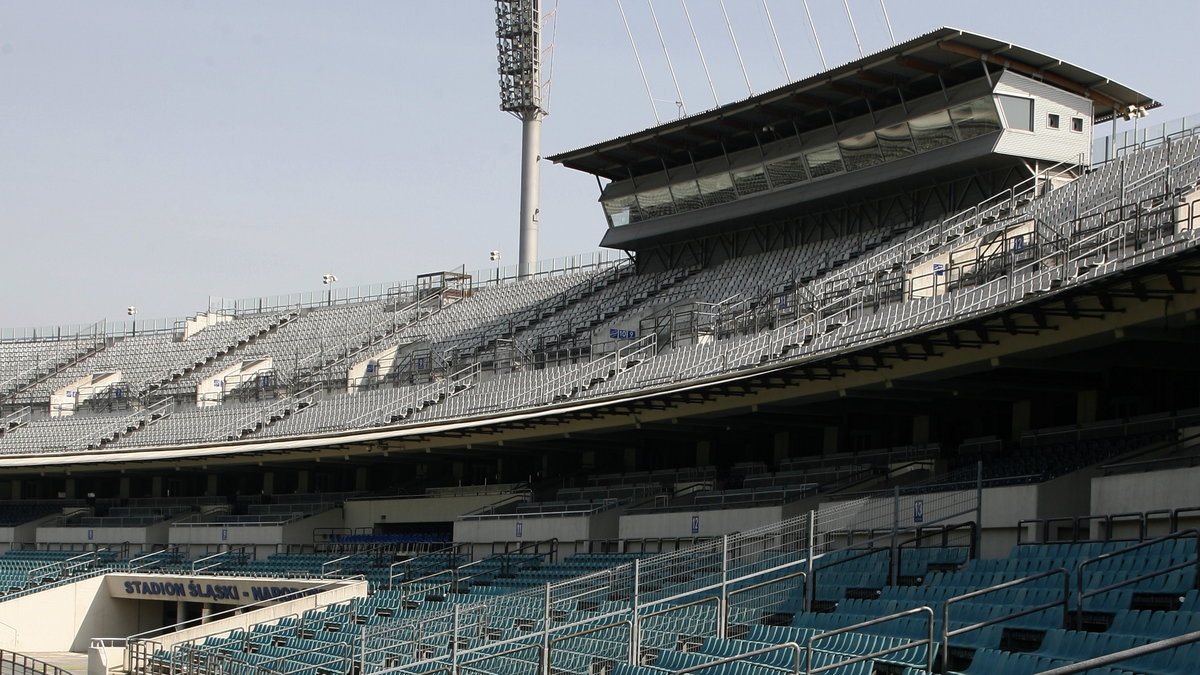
pixel 519 40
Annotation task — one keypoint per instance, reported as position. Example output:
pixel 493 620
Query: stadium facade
pixel 891 371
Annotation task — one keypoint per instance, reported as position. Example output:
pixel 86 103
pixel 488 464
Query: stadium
pixel 888 370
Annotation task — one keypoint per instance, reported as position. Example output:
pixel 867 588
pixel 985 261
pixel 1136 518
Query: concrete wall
pixel 264 540
pixel 203 320
pixel 380 364
pixel 362 513
pixel 1136 492
pixel 111 657
pixel 211 390
pixel 570 531
pixel 65 401
pixel 141 536
pixel 66 618
pixel 709 523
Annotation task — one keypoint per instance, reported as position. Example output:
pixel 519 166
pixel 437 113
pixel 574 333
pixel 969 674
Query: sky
pixel 158 152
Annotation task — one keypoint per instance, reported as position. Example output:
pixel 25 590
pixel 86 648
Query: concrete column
pixel 631 459
pixel 205 612
pixel 360 478
pixel 180 611
pixel 69 488
pixel 302 481
pixel 16 489
pixel 1022 416
pixel 268 486
pixel 1085 406
pixel 213 485
pixel 783 442
pixel 123 487
pixel 156 486
pixel 704 453
pixel 830 444
pixel 920 429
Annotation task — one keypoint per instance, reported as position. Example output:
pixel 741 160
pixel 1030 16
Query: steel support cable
pixel 813 26
pixel 670 66
pixel 737 50
pixel 638 58
pixel 778 46
pixel 703 61
pixel 846 4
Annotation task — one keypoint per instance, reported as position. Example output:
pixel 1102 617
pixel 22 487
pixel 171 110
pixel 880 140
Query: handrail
pixel 447 552
pixel 533 645
pixel 928 641
pixel 303 397
pixel 972 552
pixel 1125 654
pixel 68 564
pixel 465 378
pixel 947 633
pixel 588 631
pixel 173 549
pixel 745 589
pixel 746 655
pixel 132 641
pixel 1081 595
pixel 240 552
pixel 20 664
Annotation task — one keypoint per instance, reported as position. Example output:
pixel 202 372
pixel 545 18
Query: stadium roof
pixel 918 67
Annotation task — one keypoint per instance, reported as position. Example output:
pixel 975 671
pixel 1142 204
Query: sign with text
pixel 621 334
pixel 221 590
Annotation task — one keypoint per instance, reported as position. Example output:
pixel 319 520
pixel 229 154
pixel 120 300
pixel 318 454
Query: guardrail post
pixel 635 626
pixel 723 609
pixel 978 543
pixel 546 631
pixel 454 639
pixel 810 579
pixel 893 555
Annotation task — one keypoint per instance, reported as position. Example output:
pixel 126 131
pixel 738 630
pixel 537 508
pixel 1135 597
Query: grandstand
pixel 894 374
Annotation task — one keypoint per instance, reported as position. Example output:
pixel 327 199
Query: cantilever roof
pixel 923 65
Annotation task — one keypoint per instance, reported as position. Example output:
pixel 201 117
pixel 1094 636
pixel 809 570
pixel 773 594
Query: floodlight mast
pixel 519 33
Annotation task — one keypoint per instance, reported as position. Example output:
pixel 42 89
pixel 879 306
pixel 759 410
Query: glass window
pixel 656 203
pixel 687 195
pixel 895 142
pixel 824 161
pixel 1018 111
pixel 1052 121
pixel 787 171
pixel 932 131
pixel 716 189
pixel 976 118
pixel 622 210
pixel 1076 124
pixel 749 181
pixel 860 152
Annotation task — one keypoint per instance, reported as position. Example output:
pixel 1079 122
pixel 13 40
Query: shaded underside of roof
pixel 907 71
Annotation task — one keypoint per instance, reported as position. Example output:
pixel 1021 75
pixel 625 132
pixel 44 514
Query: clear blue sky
pixel 157 152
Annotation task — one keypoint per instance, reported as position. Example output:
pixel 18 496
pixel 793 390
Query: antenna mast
pixel 519 40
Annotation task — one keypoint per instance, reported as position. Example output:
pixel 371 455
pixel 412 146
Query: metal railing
pixel 718 568
pixel 1081 594
pixel 1063 602
pixel 142 650
pixel 1117 658
pixel 20 664
pixel 927 642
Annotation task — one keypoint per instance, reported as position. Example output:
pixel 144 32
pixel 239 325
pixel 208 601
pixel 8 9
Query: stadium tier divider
pixel 1080 234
